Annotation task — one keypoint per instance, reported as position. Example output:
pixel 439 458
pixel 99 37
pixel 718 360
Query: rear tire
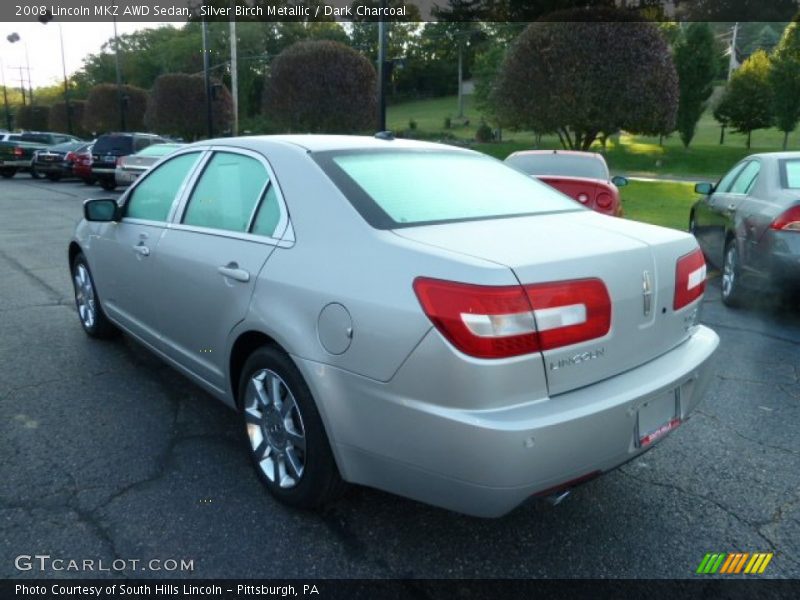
pixel 732 291
pixel 8 172
pixel 88 181
pixel 108 185
pixel 35 174
pixel 91 315
pixel 284 432
pixel 54 177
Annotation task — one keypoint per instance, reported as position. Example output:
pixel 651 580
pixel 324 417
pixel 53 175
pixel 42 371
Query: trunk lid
pixel 578 245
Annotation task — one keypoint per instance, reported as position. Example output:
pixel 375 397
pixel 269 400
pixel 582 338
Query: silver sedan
pixel 409 316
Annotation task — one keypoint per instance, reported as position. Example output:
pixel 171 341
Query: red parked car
pixel 82 165
pixel 583 176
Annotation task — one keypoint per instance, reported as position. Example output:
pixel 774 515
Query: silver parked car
pixel 748 224
pixel 130 167
pixel 409 316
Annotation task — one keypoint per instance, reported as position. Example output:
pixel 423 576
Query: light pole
pixel 234 72
pixel 382 71
pixel 44 20
pixel 120 95
pixel 5 96
pixel 13 38
pixel 207 77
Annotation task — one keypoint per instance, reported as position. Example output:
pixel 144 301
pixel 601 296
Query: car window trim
pixel 284 232
pixel 125 198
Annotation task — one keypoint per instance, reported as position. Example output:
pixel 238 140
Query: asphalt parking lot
pixel 106 453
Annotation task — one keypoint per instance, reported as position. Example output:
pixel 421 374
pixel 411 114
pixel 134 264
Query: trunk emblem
pixel 647 293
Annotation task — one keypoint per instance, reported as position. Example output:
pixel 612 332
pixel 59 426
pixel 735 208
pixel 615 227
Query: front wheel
pixel 287 440
pixel 732 293
pixel 93 319
pixel 35 174
pixel 8 172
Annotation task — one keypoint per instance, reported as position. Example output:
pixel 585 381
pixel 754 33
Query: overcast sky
pixel 44 50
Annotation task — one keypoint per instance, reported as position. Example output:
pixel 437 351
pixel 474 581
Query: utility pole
pixel 234 72
pixel 460 78
pixel 207 76
pixel 5 96
pixel 382 71
pixel 67 107
pixel 732 59
pixel 120 95
pixel 28 68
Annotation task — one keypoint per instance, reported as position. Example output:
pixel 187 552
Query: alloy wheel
pixel 84 296
pixel 275 429
pixel 729 271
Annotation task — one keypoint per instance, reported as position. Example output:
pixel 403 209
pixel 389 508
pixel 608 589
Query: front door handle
pixel 232 271
pixel 142 250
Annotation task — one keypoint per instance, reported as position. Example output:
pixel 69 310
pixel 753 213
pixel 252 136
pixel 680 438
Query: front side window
pixel 226 193
pixel 153 197
pixel 747 177
pixel 401 188
pixel 725 183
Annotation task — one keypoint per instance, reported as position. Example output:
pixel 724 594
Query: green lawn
pixel 665 203
pixel 626 154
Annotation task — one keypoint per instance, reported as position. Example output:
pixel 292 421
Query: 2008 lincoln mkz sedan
pixel 409 316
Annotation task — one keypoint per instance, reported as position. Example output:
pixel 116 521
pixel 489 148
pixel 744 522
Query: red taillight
pixel 788 220
pixel 603 200
pixel 119 162
pixel 70 157
pixel 504 321
pixel 569 312
pixel 18 151
pixel 690 279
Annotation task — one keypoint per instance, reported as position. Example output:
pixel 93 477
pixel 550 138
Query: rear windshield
pixel 402 188
pixel 158 150
pixel 113 144
pixel 66 147
pixel 38 138
pixel 568 165
pixel 790 173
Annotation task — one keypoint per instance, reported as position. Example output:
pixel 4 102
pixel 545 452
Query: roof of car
pixel 321 143
pixel 776 155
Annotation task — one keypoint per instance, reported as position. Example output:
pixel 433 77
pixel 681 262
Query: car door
pixel 210 258
pixel 710 219
pixel 731 209
pixel 123 255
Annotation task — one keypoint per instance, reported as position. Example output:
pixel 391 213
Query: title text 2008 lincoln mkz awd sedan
pixel 413 317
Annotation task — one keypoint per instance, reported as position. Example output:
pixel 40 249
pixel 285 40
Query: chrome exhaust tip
pixel 557 498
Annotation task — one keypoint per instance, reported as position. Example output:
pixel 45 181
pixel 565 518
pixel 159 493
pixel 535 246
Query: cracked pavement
pixel 107 453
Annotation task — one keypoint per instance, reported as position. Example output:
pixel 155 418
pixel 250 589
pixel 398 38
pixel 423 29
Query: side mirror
pixel 704 188
pixel 619 181
pixel 101 210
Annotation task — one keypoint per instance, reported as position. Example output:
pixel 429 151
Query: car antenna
pixel 384 135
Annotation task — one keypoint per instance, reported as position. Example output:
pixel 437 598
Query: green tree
pixel 321 87
pixel 57 119
pixel 695 64
pixel 101 113
pixel 748 98
pixel 177 106
pixel 33 117
pixel 576 78
pixel 784 78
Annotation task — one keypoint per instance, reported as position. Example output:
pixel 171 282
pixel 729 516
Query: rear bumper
pixel 101 172
pixel 60 168
pixel 124 177
pixel 487 462
pixel 18 164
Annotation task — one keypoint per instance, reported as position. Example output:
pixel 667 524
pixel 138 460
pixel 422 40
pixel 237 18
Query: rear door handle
pixel 233 271
pixel 142 250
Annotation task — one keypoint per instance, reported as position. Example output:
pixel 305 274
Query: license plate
pixel 657 417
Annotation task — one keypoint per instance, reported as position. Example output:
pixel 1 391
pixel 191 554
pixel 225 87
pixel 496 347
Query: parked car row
pixel 111 160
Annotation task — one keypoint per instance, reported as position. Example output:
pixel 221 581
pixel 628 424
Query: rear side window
pixel 397 188
pixel 227 192
pixel 153 197
pixel 790 174
pixel 114 144
pixel 269 214
pixel 747 177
